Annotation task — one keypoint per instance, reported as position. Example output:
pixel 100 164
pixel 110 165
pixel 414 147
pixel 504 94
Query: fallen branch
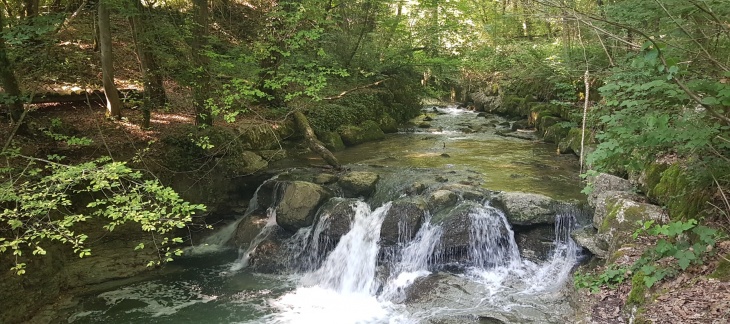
pixel 344 93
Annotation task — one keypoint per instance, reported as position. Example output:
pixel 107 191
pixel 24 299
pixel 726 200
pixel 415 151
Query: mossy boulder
pixel 368 131
pixel 546 121
pixel 358 183
pixel 331 140
pixel 683 197
pixel 441 199
pixel 388 124
pixel 298 204
pixel 623 218
pixel 257 136
pixel 526 208
pixel 571 143
pixel 556 133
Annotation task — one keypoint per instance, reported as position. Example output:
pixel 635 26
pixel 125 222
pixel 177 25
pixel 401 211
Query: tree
pixel 113 104
pixel 154 91
pixel 201 83
pixel 12 97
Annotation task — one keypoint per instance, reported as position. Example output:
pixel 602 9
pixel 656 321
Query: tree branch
pixel 344 93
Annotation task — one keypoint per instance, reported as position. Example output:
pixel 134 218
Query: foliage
pixel 686 243
pixel 45 200
pixel 610 277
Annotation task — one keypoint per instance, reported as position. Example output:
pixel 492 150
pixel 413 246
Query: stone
pixel 368 131
pixel 526 208
pixel 587 238
pixel 339 214
pixel 359 183
pixel 622 219
pixel 536 243
pixel 272 155
pixel 249 162
pixel 247 229
pixel 325 178
pixel 298 204
pixel 424 125
pixel 606 182
pixel 331 140
pixel 402 221
pixel 441 199
pixel 456 225
pixel 600 204
pixel 388 124
pixel 520 124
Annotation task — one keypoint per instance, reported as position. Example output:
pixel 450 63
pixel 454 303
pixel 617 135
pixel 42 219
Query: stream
pixel 357 278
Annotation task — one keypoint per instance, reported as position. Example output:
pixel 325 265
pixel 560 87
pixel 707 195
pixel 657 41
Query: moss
pixel 331 141
pixel 683 198
pixel 368 131
pixel 652 177
pixel 556 133
pixel 722 272
pixel 637 295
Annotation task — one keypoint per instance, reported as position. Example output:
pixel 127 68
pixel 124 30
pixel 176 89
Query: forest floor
pixel 694 296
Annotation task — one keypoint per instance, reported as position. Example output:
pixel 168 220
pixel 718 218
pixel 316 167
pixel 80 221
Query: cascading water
pixel 245 255
pixel 351 278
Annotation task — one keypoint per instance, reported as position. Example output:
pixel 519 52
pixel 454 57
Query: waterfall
pixel 412 262
pixel 245 255
pixel 492 241
pixel 350 267
pixel 564 256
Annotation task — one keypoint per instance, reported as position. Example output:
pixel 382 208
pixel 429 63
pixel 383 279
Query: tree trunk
pixel 113 104
pixel 154 91
pixel 8 80
pixel 203 115
pixel 314 144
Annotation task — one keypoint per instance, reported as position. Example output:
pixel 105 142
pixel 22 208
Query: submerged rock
pixel 299 202
pixel 526 208
pixel 247 229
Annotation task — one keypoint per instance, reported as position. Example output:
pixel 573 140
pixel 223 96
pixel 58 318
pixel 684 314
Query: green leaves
pixel 43 205
pixel 685 242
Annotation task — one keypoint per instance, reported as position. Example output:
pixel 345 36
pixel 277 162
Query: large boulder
pixel 605 182
pixel 247 229
pixel 298 204
pixel 339 214
pixel 368 131
pixel 526 208
pixel 267 257
pixel 331 140
pixel 623 217
pixel 403 220
pixel 359 183
pixel 388 124
pixel 248 162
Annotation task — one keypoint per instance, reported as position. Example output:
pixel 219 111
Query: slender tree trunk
pixel 203 115
pixel 113 104
pixel 314 144
pixel 8 80
pixel 154 91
